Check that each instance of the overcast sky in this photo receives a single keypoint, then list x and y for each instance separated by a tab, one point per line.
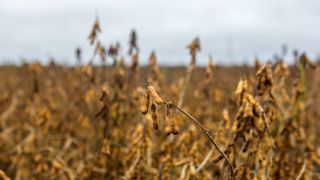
232	31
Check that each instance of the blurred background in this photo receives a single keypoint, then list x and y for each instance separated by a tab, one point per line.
232	31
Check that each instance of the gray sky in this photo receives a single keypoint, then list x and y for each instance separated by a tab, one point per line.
43	28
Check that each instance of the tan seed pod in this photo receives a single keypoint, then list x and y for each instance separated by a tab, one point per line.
269	73
259	125
251	99
154	115
261	70
170	123
167	130
225	115
105	149
226	118
175	130
94	31
145	104
239	87
155	119
281	70
154	95
3	176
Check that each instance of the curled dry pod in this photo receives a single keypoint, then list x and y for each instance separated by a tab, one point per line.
3	176
175	130
242	87
251	99
153	93
170	123
259	124
88	70
264	78
105	149
155	119
145	104
261	70
239	88
269	73
226	118
225	115
167	130
154	115
281	70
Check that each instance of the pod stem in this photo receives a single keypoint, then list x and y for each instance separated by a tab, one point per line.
208	134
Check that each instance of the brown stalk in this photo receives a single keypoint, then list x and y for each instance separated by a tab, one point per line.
265	120
205	160
302	170
208	134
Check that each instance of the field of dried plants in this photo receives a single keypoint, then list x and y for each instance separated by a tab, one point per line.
125	121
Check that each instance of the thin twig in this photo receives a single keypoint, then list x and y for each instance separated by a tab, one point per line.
265	119
206	131
204	162
183	172
183	92
128	174
271	152
304	166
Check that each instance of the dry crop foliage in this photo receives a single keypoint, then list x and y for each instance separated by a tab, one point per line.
58	122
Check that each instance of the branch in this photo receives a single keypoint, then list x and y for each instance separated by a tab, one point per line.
206	131
204	162
304	166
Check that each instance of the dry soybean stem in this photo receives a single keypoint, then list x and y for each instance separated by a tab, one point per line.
302	171
128	174
206	131
270	163
184	89
204	162
265	119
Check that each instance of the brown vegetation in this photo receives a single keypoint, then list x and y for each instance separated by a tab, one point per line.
128	122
